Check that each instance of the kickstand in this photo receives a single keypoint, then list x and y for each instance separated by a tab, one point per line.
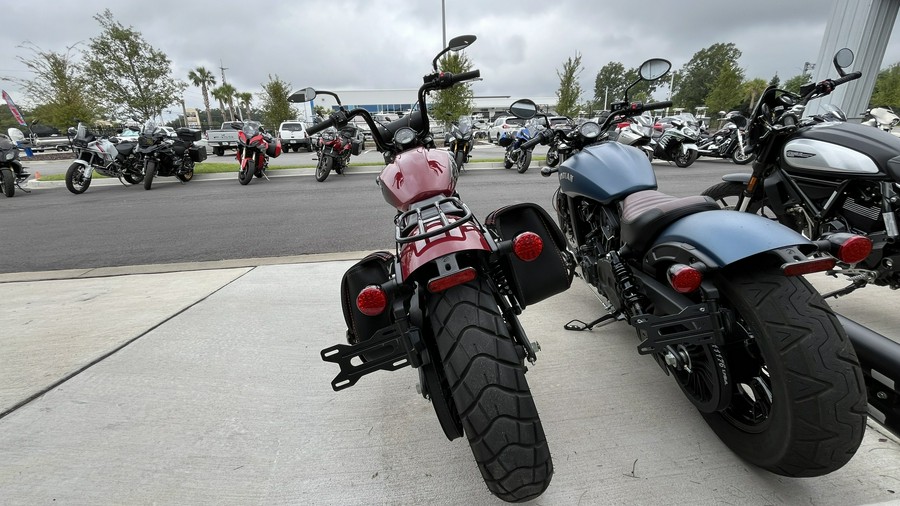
22	188
599	322
847	289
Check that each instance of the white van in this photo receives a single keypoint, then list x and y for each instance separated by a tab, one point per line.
293	135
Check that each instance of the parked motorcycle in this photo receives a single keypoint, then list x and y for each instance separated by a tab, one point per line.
446	301
335	146
12	174
461	142
882	118
255	146
162	155
677	143
718	300
106	156
515	155
728	142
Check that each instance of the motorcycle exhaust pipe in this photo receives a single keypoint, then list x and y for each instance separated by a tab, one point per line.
879	357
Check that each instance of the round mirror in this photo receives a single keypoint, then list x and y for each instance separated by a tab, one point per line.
460	42
524	109
304	95
654	68
843	58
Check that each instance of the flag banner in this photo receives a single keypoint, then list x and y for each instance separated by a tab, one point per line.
13	109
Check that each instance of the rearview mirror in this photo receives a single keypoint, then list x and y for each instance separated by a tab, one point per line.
304	95
843	59
523	109
654	68
460	42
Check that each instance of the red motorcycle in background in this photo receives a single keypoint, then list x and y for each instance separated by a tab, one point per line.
255	146
447	301
334	148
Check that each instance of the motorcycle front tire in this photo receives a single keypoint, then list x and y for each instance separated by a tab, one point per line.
740	159
728	193
684	160
75	180
523	162
486	378
245	175
323	168
807	414
149	173
460	159
8	180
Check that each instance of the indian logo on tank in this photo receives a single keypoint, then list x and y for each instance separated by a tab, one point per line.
798	154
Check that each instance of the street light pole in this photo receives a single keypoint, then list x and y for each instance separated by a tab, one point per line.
444	22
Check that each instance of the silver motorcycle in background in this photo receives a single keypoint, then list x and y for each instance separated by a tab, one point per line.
104	155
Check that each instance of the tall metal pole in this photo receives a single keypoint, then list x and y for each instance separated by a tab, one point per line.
444	22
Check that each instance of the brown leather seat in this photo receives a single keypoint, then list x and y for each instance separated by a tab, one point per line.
646	213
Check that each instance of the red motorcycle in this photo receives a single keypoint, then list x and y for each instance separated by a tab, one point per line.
335	147
255	146
446	301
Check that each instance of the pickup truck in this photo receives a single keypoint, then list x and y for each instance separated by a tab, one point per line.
222	139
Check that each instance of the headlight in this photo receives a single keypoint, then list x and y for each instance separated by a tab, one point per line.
404	136
589	129
10	155
690	132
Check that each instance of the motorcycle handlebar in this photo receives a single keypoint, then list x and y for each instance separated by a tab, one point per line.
847	78
657	105
530	143
318	127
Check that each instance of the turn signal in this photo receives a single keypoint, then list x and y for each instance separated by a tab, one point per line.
855	249
527	246
684	278
371	301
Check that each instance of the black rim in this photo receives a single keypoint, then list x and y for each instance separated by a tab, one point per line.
751	397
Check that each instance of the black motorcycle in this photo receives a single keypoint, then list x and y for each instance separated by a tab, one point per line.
12	174
461	141
728	142
718	300
166	156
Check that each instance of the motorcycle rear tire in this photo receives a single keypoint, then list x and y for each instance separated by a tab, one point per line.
507	162
75	180
813	413
523	162
323	168
149	173
133	178
486	379
185	176
8	180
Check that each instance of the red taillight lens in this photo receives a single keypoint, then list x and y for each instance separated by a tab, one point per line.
371	301
809	266
527	246
855	249
684	278
450	280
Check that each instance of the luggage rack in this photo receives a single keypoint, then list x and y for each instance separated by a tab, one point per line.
429	213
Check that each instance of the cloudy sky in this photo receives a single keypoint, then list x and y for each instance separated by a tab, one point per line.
389	44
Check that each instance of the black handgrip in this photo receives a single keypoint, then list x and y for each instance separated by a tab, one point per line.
532	142
657	105
847	78
318	127
465	76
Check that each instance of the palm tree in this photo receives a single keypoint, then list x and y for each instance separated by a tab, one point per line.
204	79
244	100
228	91
221	95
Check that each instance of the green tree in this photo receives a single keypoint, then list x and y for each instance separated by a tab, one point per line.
751	91
775	81
887	88
609	84
569	91
221	95
793	84
696	79
203	79
726	91
453	102
58	87
132	76
275	106
227	91
244	99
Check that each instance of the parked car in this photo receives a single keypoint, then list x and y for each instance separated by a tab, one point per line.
293	136
222	139
502	125
170	132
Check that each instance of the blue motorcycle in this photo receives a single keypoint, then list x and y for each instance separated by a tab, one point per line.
718	299
517	156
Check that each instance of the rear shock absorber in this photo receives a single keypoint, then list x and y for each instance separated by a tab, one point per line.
631	296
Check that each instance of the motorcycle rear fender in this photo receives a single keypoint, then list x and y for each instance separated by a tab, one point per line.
466	237
722	238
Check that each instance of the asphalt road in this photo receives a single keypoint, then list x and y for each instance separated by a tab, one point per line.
215	218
